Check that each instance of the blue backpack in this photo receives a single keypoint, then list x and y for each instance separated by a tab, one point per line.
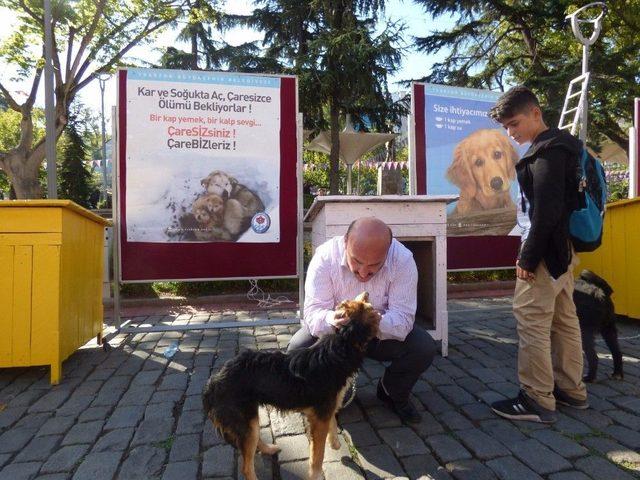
586	221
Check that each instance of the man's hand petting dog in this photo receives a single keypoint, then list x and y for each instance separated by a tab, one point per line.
341	317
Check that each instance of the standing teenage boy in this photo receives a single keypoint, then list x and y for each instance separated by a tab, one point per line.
548	330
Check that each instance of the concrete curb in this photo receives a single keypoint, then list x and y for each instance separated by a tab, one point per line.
460	290
497	285
498	288
235	298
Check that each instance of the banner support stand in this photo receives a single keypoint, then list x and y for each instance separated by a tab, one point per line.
411	123
299	168
634	150
633	164
115	178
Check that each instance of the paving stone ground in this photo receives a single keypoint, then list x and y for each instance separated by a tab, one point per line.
132	413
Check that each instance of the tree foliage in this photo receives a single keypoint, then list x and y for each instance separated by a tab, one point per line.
74	179
498	43
197	27
342	63
90	37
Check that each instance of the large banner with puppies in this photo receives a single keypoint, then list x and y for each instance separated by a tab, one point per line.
201	165
205	165
459	150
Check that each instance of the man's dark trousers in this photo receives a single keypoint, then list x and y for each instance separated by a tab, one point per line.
409	359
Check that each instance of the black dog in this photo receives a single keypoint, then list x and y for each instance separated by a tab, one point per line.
312	381
592	296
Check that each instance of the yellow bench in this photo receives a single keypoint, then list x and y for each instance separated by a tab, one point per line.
51	266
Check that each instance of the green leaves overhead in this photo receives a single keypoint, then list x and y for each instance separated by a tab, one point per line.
499	43
89	37
341	61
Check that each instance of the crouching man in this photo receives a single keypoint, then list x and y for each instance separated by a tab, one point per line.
369	258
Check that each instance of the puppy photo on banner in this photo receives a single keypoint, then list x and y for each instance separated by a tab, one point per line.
203	157
469	155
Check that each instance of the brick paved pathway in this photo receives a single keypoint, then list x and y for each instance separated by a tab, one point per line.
131	413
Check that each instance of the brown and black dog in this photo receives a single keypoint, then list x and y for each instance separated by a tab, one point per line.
483	167
311	381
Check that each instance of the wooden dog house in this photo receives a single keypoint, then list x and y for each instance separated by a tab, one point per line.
419	222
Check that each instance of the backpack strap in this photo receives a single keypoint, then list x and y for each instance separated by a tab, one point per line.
582	169
523	202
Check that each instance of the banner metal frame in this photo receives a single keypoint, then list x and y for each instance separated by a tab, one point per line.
127	326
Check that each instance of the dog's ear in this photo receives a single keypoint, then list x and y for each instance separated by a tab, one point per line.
232	180
363	297
459	172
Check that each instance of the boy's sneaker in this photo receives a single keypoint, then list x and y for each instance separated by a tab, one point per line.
563	399
523	408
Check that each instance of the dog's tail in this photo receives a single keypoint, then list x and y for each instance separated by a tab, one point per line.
226	413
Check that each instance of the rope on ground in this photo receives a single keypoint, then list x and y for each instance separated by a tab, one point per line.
263	298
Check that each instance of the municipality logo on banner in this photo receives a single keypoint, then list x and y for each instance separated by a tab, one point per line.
260	222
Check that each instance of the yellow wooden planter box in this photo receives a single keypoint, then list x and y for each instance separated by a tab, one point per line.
617	259
51	265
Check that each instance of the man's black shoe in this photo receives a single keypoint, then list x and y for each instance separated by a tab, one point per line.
407	412
523	408
563	399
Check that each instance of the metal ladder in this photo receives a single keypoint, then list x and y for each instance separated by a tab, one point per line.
574	104
580	110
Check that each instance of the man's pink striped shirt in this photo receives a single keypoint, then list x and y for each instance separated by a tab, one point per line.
392	290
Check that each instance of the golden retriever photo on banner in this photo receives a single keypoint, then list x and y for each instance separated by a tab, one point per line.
483	168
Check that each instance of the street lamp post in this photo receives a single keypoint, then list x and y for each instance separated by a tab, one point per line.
102	79
50	127
586	43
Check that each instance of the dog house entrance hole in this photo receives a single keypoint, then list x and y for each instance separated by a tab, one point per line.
424	256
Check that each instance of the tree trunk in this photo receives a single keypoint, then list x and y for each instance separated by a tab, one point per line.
194	51
390	148
22	171
334	156
335	11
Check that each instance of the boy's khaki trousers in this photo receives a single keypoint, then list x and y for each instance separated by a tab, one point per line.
550	346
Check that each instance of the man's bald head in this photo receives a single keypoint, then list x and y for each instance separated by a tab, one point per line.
369	228
367	242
